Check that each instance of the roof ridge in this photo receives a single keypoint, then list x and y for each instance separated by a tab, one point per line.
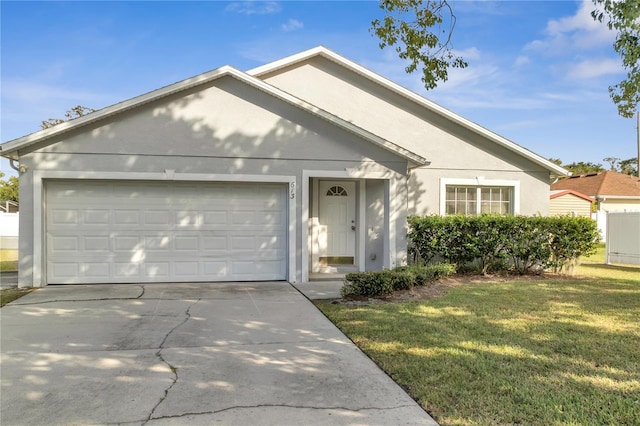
391	85
14	145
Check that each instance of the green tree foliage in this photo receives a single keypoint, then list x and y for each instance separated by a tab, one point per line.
623	16
75	112
8	188
628	166
556	161
581	167
420	32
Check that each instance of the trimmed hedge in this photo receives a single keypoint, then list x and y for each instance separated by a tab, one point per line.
502	243
379	283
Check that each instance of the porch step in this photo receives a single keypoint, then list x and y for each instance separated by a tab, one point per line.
326	277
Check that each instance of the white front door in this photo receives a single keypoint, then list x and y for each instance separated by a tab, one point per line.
337	222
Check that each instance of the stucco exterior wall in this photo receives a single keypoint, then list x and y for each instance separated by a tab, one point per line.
226	128
452	150
375	215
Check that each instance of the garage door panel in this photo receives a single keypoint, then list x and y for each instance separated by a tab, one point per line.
63	272
64	217
96	217
156	217
125	271
153	232
126	217
96	243
97	270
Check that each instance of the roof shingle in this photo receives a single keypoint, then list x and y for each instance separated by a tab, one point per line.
601	184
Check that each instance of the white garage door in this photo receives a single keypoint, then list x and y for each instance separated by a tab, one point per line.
121	232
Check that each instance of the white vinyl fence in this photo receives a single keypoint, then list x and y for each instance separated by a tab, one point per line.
623	237
9	230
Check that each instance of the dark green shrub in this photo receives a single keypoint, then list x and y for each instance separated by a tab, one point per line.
380	283
570	238
427	236
492	235
426	274
527	244
402	279
491	243
375	283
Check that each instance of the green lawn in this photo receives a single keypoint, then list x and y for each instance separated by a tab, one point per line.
530	352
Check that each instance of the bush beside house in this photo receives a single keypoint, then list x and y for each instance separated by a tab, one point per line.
486	243
380	283
491	243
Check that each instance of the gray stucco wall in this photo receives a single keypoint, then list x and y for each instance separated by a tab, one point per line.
375	215
453	151
224	128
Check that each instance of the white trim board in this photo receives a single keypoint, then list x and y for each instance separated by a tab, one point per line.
354	174
479	182
39	275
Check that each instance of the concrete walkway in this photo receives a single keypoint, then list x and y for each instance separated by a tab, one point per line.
159	354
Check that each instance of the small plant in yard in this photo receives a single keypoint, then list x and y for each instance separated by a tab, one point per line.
528	351
380	283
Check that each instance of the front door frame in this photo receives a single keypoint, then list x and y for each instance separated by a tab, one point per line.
360	176
318	199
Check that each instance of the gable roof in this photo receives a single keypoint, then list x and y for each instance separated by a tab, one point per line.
322	51
560	193
10	149
602	184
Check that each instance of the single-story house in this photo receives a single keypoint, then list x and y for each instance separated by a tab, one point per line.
570	203
612	191
303	166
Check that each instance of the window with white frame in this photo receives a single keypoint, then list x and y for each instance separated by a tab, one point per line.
474	197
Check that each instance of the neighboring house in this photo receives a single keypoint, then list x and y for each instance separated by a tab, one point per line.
612	191
306	165
570	203
9	206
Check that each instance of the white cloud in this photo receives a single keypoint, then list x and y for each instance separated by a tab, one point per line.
593	68
26	91
254	7
522	61
577	32
292	25
468	54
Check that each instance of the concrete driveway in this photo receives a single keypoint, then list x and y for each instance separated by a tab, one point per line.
159	354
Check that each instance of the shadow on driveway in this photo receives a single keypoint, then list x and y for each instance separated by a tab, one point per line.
233	353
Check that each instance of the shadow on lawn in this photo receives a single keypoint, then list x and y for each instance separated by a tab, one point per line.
553	352
623	268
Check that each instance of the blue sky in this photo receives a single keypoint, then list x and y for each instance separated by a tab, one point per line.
538	70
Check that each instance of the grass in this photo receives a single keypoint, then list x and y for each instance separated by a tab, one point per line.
8	295
560	350
8	260
599	256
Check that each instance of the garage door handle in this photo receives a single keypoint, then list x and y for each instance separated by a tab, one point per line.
353	227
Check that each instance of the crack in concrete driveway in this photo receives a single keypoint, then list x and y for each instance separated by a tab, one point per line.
229	353
173	369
